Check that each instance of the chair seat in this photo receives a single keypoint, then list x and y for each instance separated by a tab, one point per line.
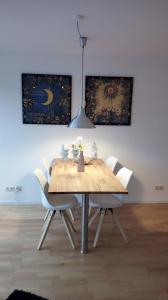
55	203
79	199
62	201
105	201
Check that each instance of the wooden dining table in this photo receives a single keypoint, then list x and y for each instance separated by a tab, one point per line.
97	178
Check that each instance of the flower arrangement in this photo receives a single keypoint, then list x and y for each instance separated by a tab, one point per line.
77	146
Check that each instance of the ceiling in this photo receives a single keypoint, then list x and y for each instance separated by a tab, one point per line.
114	27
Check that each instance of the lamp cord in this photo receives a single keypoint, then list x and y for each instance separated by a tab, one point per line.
78	28
82	74
83	46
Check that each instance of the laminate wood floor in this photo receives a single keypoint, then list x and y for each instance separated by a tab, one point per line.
112	271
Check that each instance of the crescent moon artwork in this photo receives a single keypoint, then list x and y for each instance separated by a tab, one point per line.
50	97
46	99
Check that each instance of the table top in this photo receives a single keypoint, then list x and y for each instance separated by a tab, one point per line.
96	179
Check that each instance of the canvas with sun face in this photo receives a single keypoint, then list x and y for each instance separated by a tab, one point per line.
46	99
109	100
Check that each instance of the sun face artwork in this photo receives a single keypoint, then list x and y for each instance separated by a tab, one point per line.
46	99
109	99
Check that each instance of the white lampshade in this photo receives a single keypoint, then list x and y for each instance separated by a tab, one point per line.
81	120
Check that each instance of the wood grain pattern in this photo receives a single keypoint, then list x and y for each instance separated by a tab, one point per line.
114	270
97	178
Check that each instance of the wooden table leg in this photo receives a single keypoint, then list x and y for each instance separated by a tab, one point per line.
84	225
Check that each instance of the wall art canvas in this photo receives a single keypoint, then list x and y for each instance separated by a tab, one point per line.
46	99
109	100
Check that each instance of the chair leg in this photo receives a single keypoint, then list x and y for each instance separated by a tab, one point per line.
68	230
112	219
45	220
46	215
94	217
72	214
120	227
44	233
102	213
70	222
90	209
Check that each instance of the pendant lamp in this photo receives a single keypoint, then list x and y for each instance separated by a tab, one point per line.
81	120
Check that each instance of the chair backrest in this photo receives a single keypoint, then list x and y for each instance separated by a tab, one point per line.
47	168
43	186
111	162
124	176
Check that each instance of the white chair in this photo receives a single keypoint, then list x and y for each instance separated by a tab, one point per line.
55	203
111	162
106	203
48	169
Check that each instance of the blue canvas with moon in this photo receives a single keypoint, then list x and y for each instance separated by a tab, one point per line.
46	99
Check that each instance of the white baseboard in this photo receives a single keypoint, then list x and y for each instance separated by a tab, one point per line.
134	201
148	201
16	202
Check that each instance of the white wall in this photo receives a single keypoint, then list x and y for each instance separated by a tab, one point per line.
141	146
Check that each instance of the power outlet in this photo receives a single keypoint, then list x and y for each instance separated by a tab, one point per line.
14	189
159	187
10	188
18	188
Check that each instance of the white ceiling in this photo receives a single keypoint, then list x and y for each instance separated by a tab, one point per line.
116	27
